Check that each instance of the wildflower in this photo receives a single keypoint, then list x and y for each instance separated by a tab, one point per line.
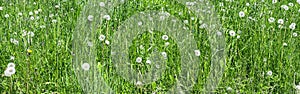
31	34
6	15
31	18
140	23
164	54
297	87
12	58
40	10
30	13
269	73
229	89
29	51
238	37
274	1
54	21
14	41
292	26
242	14
197	52
265	59
138	83
107	42
51	15
90	44
11	65
148	62
107	17
291	4
36	12
295	34
20	13
56	6
167	44
186	21
298	1
284	44
101	4
9	71
231	33
90	17
1	8
285	7
138	60
280	21
271	19
85	66
165	37
101	37
247	4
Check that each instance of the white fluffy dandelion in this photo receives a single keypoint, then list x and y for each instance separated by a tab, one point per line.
165	37
85	66
138	59
280	21
231	33
138	83
107	17
101	4
269	73
31	34
12	58
285	7
107	42
1	8
164	54
271	19
167	44
11	65
297	87
14	41
292	26
295	34
242	14
140	23
6	15
9	71
148	61
101	37
274	1
229	89
197	52
285	44
90	17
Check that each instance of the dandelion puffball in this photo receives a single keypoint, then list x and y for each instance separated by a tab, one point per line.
85	66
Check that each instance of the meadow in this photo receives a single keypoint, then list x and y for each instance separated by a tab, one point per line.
43	49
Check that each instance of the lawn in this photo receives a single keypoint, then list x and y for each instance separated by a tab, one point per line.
149	46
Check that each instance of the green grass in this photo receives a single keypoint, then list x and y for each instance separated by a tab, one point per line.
49	67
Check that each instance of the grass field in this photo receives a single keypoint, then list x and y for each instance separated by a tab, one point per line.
40	48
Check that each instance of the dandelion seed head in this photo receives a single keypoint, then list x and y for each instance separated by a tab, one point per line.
197	52
107	42
101	4
90	17
138	59
85	66
165	37
280	21
271	19
295	34
107	17
269	73
242	14
148	61
101	37
6	15
11	65
231	33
